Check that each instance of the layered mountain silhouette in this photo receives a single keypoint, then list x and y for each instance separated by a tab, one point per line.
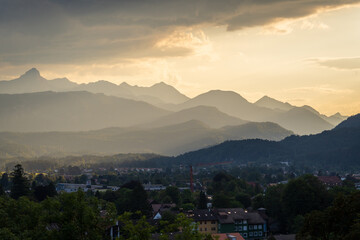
297	119
71	111
29	110
272	103
337	149
168	140
211	116
32	81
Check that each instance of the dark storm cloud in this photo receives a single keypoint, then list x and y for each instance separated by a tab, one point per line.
61	31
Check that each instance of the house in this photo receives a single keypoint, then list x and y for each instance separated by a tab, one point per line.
153	187
158	209
73	187
251	225
227	236
330	181
206	219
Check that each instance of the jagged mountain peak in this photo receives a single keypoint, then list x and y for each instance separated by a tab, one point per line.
32	73
273	103
124	84
160	84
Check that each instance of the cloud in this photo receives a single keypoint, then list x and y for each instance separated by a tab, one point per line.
320	90
92	31
351	63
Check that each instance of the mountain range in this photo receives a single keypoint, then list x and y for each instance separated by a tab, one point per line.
334	150
167	140
32	81
71	111
300	120
136	119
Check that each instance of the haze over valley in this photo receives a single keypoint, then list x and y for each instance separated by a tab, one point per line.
59	117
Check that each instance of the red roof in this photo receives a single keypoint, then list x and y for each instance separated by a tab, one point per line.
226	236
330	180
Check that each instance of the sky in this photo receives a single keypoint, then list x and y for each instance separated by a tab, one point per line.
306	52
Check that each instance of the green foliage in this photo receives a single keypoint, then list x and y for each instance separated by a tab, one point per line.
304	194
187	228
222	200
2	192
258	201
244	199
339	221
228	191
202	201
174	194
41	192
5	181
134	230
130	197
20	184
67	216
188	206
186	196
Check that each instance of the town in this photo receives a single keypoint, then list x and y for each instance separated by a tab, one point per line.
218	200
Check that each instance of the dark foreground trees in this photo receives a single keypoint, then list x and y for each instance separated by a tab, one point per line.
20	184
67	216
339	221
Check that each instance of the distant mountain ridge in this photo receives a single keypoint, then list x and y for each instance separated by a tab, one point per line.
298	119
32	81
168	140
71	111
337	149
211	116
224	107
272	103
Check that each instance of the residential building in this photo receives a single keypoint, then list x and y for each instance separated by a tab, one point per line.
153	187
330	181
72	187
251	225
158	209
206	220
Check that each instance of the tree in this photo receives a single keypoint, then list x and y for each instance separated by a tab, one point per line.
41	192
2	192
5	181
339	221
304	194
174	194
187	228
222	200
202	201
244	198
20	184
131	230
138	199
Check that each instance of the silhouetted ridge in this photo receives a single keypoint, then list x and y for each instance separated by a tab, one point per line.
351	122
338	149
